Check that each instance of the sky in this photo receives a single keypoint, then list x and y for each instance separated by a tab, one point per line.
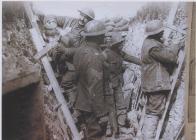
102	9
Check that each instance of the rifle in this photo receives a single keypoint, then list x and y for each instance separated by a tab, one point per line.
39	44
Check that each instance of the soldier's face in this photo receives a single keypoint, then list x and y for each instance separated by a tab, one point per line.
83	19
108	39
121	46
161	36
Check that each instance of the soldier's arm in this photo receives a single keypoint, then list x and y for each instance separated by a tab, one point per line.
131	59
62	21
165	54
68	51
61	50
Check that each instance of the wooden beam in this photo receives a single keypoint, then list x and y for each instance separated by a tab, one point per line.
20	81
179	134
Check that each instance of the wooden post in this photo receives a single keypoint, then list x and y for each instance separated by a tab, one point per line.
180	132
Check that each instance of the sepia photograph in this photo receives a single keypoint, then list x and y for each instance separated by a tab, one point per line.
98	70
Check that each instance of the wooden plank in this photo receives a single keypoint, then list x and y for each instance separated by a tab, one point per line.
39	44
180	132
192	69
20	82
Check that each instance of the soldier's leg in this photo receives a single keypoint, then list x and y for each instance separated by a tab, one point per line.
154	109
68	84
120	105
93	128
112	126
121	111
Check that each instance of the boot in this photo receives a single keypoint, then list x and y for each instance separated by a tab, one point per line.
109	130
150	127
122	117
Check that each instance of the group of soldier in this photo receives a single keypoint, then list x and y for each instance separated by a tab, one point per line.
90	62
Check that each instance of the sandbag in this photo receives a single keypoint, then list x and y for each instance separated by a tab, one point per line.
116	19
111	23
123	22
109	28
124	28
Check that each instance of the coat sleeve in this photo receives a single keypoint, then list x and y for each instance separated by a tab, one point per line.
131	59
62	52
96	82
62	21
69	52
166	55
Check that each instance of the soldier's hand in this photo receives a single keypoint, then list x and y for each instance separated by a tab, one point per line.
54	53
59	50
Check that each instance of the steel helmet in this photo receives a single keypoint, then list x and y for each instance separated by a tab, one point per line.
88	12
154	27
50	22
116	38
94	28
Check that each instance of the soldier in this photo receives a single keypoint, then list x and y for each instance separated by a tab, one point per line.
114	57
76	25
156	58
88	62
72	39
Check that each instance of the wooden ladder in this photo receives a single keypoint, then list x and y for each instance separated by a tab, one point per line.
39	44
174	77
